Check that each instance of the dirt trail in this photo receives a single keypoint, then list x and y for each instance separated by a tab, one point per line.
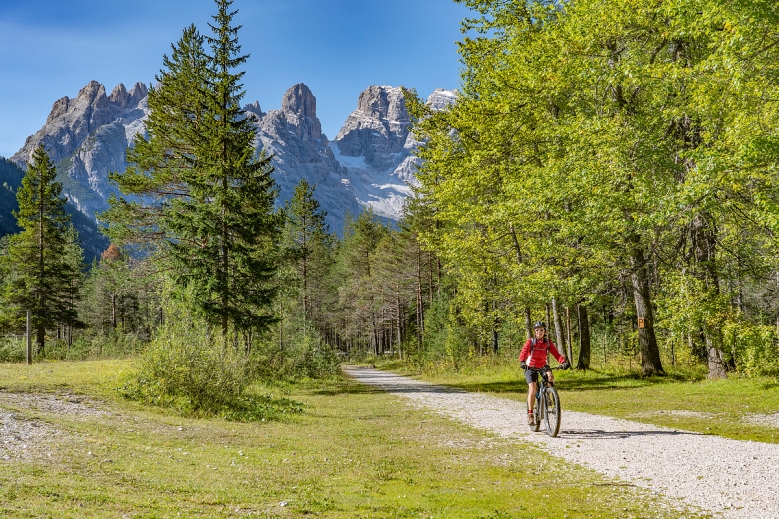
737	479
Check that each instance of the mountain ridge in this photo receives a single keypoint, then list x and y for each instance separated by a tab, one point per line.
370	162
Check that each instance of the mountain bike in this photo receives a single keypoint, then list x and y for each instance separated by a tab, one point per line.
547	406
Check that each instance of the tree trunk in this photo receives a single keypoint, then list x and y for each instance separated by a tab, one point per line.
281	327
558	326
548	320
399	310
570	333
650	354
584	339
717	367
704	242
430	279
420	309
528	323
40	338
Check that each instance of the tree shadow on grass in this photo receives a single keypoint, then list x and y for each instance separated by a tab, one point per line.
346	386
599	381
568	384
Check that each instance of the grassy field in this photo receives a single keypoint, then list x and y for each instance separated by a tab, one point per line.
682	400
353	452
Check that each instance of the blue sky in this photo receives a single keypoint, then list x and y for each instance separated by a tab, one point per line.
52	48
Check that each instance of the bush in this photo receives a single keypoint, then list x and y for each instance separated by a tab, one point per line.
303	354
184	363
13	350
115	345
192	370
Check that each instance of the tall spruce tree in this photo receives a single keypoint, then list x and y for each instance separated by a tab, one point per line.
208	200
161	164
41	271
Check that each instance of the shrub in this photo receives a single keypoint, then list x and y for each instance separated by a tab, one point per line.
13	350
194	371
303	354
115	345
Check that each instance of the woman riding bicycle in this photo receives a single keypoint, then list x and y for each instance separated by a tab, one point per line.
533	358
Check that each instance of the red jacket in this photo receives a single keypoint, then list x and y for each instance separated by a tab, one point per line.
540	352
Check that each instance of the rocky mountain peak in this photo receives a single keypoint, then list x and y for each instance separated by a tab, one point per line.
370	164
378	128
137	93
383	102
122	99
376	147
69	123
87	137
293	135
299	100
91	92
254	108
119	96
298	114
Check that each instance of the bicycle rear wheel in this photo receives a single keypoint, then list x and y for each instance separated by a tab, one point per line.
551	411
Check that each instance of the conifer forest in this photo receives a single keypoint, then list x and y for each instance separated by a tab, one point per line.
610	167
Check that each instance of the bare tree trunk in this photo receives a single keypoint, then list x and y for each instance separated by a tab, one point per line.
40	337
717	367
570	333
528	323
281	327
650	354
584	338
558	326
430	279
113	311
548	320
420	309
703	236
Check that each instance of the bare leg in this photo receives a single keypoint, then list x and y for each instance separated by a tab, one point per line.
531	395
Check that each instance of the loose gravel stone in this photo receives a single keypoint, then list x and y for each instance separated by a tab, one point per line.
24	438
732	478
62	404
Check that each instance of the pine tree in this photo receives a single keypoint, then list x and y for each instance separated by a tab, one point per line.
42	272
160	164
212	215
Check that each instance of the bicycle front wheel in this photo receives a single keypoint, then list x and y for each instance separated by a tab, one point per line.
551	411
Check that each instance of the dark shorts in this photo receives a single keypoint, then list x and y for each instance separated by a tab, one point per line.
531	375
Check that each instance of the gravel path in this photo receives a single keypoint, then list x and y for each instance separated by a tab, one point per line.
737	479
25	438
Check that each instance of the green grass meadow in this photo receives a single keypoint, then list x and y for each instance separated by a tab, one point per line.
352	452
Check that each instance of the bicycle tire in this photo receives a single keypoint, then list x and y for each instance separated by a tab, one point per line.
536	417
551	411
